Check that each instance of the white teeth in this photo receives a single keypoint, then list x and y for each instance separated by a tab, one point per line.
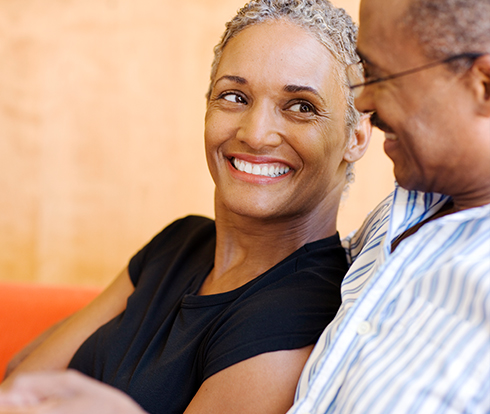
390	136
259	169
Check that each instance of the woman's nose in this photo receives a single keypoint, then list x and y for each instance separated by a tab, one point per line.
260	126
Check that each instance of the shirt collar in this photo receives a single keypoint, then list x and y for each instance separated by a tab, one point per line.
410	208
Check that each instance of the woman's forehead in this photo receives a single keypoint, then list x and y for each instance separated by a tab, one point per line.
277	50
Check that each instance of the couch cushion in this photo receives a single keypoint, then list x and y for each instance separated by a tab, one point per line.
26	310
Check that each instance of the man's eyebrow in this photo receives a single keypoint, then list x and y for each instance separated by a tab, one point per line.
236	79
302	88
364	59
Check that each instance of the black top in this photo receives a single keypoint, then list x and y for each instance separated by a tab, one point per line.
169	339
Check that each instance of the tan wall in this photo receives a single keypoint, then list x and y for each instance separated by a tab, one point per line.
101	125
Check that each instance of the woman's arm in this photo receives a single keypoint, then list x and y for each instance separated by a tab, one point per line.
31	346
262	384
56	351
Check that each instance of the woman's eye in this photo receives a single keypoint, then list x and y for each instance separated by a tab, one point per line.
234	97
302	107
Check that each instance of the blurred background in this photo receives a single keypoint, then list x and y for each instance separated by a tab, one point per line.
101	132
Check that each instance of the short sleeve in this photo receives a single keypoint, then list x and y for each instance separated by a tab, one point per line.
167	244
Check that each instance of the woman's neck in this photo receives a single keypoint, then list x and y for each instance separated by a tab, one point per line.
247	247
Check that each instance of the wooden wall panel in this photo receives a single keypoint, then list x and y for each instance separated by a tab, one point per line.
101	126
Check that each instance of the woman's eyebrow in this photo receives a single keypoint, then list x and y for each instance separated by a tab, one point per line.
302	88
235	79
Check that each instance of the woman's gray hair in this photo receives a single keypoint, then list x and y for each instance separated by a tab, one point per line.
332	26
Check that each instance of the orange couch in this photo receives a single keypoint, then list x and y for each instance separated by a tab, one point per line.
26	310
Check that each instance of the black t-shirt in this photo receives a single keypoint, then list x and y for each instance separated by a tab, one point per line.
169	339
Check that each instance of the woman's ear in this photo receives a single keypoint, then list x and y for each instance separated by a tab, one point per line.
481	81
359	140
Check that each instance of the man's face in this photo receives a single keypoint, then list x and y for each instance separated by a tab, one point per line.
427	116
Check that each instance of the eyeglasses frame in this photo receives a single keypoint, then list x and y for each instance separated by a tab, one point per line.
467	55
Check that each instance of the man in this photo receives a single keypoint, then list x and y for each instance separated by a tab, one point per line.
413	332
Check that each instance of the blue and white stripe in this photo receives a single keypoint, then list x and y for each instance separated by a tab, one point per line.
413	332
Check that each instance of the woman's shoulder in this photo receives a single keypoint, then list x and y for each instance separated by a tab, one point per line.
188	225
305	284
321	263
182	230
189	236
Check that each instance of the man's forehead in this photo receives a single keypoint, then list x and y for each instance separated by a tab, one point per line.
382	14
379	26
379	6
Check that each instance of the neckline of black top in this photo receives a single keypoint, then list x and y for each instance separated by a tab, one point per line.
193	299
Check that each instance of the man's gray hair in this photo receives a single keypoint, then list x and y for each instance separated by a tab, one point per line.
332	26
449	27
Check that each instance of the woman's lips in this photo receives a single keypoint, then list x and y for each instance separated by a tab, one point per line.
265	169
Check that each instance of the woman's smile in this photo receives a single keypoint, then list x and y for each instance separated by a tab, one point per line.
263	169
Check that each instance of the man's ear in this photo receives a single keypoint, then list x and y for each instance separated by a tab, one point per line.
480	72
359	140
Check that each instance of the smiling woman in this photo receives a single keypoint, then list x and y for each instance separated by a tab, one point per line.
293	121
233	307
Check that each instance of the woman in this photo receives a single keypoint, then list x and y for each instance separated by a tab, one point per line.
221	316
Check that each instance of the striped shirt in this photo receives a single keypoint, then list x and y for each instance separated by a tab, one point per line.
413	332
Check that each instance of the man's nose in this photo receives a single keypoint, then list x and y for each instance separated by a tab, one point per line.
260	126
364	102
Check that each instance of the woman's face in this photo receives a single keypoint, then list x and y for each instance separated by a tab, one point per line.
275	125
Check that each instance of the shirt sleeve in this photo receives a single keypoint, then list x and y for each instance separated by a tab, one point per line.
167	243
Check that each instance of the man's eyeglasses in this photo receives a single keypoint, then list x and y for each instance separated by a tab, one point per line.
353	71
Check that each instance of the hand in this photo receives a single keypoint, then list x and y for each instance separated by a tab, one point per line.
64	392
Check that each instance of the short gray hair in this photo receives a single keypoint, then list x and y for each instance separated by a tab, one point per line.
332	26
447	27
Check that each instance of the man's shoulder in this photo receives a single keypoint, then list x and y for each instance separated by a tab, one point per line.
373	229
